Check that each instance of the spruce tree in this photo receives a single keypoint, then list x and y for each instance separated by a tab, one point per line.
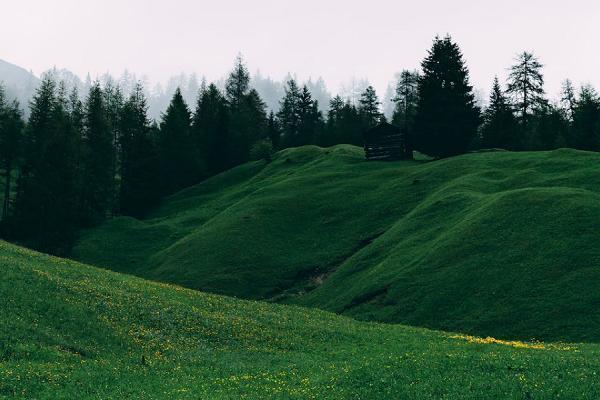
447	117
289	113
247	114
11	129
368	108
332	133
140	162
47	194
114	101
211	131
180	162
98	158
586	120
238	83
344	123
499	124
310	119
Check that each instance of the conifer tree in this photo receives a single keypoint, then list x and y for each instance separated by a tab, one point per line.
526	86
289	113
499	124
586	120
46	203
447	117
211	132
568	99
368	108
98	158
310	119
344	123
406	99
247	114
238	83
332	133
140	161
180	163
114	100
11	129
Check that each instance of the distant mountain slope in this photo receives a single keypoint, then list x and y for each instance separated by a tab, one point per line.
70	331
502	244
19	83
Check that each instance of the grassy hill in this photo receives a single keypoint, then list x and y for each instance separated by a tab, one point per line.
68	330
500	243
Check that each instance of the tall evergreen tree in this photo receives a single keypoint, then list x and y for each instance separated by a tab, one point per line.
526	86
46	203
586	120
114	101
368	108
310	119
140	161
98	158
499	124
237	85
406	100
551	128
289	113
211	131
447	117
11	129
332	134
344	123
180	164
247	117
568	99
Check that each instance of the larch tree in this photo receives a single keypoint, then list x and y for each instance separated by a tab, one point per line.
526	86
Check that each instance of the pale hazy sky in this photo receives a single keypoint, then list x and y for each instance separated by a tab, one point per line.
335	39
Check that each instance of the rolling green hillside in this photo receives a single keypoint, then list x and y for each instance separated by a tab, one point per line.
70	331
500	243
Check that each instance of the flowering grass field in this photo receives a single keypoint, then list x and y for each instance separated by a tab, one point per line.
71	331
494	244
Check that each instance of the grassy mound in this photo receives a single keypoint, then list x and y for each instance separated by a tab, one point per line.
493	243
68	330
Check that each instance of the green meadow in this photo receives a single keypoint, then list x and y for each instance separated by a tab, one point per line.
495	244
72	331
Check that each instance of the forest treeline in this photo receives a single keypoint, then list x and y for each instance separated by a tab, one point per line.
81	158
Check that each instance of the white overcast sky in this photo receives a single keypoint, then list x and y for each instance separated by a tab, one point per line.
335	39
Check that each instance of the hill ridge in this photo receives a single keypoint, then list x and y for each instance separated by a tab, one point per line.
463	229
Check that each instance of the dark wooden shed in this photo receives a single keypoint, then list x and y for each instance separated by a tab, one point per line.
386	142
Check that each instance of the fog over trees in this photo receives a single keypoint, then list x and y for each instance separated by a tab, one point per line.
83	150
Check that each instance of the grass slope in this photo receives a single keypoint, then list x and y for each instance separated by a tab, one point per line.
498	243
68	330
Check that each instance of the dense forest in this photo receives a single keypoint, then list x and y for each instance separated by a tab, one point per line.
83	157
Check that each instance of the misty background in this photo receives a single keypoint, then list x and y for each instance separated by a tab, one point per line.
335	47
